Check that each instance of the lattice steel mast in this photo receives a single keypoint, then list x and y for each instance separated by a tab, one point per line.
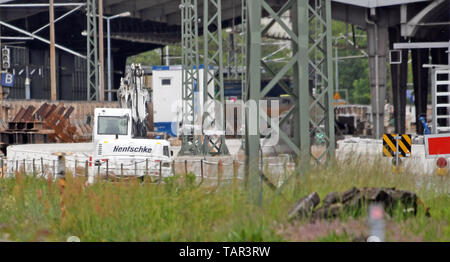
213	118
190	127
92	51
306	46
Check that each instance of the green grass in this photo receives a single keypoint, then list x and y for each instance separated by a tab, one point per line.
178	210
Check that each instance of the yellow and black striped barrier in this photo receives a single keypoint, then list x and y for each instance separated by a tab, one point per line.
390	145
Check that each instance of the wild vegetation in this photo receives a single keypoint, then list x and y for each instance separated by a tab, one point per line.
33	209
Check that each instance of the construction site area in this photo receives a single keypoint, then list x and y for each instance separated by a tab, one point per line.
270	96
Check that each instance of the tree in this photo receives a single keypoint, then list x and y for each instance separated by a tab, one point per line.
153	57
147	58
361	91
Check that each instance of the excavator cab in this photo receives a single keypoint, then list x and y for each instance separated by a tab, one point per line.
112	123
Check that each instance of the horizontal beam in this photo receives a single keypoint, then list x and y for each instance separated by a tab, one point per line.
436	66
40	5
157	40
16	38
419	45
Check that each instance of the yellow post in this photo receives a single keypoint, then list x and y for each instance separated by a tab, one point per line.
442	171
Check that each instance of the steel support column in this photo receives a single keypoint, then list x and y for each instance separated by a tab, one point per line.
53	93
92	51
213	124
399	79
190	126
377	41
101	92
252	134
244	60
420	79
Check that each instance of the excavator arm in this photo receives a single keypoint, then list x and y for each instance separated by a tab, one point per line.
133	95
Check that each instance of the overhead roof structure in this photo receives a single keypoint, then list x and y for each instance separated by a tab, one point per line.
434	15
158	21
378	3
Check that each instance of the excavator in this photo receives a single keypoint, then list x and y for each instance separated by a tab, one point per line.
119	139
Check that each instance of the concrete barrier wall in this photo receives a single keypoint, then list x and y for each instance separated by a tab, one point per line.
363	151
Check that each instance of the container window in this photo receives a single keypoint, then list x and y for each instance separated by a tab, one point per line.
165	81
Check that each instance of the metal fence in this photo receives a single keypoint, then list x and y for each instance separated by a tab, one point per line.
204	170
58	166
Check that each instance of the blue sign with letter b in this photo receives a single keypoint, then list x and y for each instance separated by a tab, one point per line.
7	80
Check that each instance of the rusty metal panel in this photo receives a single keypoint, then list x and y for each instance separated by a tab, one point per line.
28	115
39	113
69	112
19	115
